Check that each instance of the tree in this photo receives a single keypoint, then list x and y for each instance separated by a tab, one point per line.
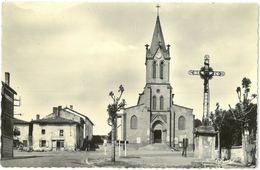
217	122
229	130
245	114
197	123
16	131
112	110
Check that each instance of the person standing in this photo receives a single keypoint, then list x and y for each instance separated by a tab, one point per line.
184	146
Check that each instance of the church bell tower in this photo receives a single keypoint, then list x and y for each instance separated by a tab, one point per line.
157	63
157	57
158	90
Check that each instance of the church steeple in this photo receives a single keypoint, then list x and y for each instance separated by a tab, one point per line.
157	39
157	56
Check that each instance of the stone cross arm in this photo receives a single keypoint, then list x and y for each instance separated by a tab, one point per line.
215	73
219	73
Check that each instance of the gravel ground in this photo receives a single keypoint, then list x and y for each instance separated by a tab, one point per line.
134	158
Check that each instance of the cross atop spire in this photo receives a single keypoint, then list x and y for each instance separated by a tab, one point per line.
158	6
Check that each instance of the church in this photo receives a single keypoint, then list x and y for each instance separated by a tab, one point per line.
156	118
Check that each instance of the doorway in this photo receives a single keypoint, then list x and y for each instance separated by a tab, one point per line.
58	144
157	136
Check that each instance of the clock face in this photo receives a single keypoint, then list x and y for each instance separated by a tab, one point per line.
158	55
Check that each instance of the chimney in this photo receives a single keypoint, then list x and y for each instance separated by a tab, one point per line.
7	78
55	110
71	107
37	117
59	109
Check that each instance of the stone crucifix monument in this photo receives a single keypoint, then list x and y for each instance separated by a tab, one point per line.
205	135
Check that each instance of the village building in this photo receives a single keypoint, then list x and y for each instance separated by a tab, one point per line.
7	115
63	129
22	133
155	118
71	114
56	133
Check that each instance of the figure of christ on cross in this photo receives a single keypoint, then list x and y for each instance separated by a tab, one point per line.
206	73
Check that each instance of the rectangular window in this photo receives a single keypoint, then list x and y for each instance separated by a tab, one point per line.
42	143
61	132
43	131
25	143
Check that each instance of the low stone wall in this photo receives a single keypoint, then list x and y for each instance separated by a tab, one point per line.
236	153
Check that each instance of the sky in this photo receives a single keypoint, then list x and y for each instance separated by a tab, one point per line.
76	53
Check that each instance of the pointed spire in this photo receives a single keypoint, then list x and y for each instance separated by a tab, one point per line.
157	39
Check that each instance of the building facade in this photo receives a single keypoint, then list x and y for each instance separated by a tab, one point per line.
22	134
63	129
155	118
71	114
56	133
7	115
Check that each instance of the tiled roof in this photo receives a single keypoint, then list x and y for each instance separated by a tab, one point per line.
79	114
19	121
55	120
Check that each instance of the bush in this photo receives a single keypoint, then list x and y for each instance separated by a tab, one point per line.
89	145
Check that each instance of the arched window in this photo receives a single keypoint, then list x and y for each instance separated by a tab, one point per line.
181	123
154	102
161	103
133	122
154	69
161	70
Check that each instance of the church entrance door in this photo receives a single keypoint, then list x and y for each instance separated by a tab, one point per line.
157	136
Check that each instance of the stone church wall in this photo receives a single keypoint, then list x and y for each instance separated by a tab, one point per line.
188	131
141	134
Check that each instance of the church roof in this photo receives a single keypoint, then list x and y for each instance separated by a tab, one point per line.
176	105
157	39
